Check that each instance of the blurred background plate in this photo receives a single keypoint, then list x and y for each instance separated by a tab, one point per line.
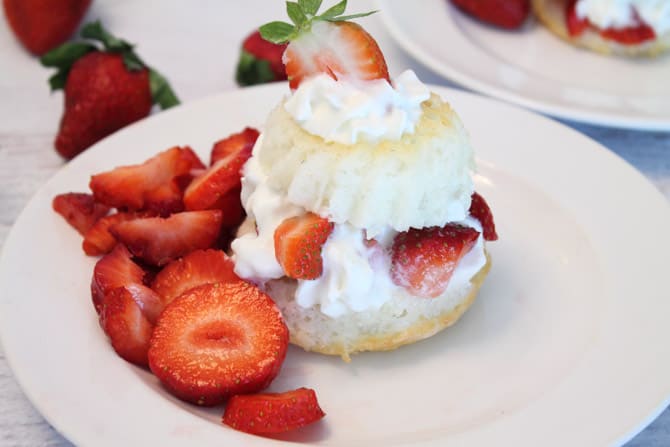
532	67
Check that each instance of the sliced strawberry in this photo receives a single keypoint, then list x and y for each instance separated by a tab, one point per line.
424	260
159	240
574	24
218	340
273	412
480	210
298	242
338	49
114	270
196	268
237	142
126	326
503	13
79	209
206	191
98	240
153	185
231	205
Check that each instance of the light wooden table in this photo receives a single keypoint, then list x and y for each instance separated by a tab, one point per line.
196	46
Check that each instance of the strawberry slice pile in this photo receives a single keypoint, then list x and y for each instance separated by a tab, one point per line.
165	292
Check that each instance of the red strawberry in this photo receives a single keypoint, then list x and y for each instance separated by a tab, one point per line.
127	327
104	90
630	35
98	240
575	25
79	209
480	210
424	260
218	340
260	61
152	185
273	412
298	241
41	25
113	270
231	206
159	240
508	14
325	43
206	191
196	268
235	143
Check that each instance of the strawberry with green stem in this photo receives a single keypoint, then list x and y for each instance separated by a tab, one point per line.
107	86
325	43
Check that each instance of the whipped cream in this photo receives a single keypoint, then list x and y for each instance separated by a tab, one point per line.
356	275
354	110
622	13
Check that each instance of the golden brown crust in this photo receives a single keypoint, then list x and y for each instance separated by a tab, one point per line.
552	14
422	329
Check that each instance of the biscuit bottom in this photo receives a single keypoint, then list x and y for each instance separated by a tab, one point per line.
552	14
402	320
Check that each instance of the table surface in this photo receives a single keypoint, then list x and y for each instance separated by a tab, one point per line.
196	46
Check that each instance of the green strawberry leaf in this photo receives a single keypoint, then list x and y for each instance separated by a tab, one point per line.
310	7
96	31
132	61
334	11
252	71
161	92
64	56
295	13
57	81
277	32
349	17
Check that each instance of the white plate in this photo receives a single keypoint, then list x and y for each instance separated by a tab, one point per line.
566	345
532	67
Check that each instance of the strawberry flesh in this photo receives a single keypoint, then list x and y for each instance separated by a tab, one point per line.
480	210
114	270
218	340
271	413
423	261
298	242
507	14
153	185
235	143
98	240
339	49
79	209
196	268
127	327
159	240
630	35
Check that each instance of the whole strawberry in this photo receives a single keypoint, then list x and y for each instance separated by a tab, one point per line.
508	14
41	25
260	61
106	88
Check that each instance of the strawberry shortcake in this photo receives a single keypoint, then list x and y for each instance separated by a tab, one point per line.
362	220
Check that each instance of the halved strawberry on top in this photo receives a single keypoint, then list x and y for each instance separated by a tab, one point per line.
326	43
423	261
155	185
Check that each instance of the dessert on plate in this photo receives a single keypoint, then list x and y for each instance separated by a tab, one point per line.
619	27
362	221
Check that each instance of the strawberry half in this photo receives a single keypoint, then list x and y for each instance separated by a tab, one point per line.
273	412
98	240
196	268
235	143
127	327
153	185
159	240
207	190
480	210
114	270
423	260
79	209
298	242
508	14
218	340
325	43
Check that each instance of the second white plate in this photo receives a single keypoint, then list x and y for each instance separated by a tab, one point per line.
532	67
